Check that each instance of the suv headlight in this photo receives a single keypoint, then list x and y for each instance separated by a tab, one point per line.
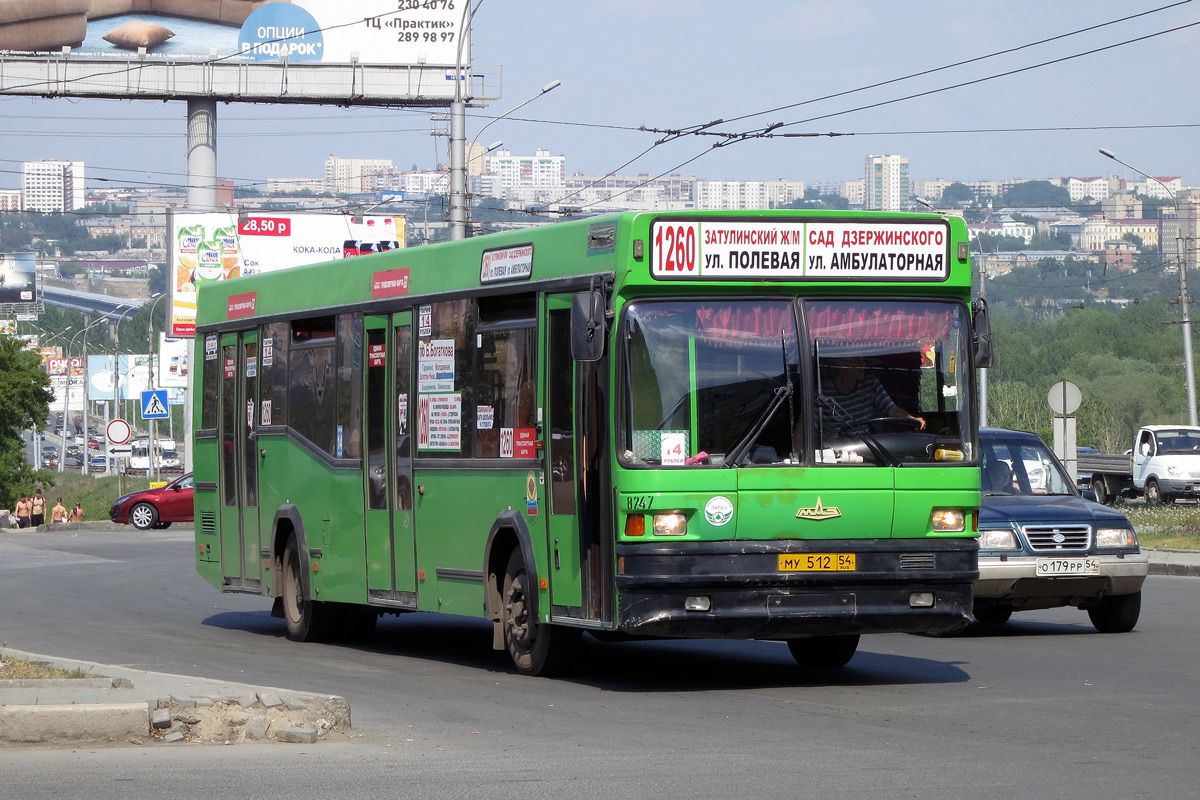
1115	537
998	540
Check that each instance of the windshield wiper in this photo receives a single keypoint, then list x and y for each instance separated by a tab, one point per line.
781	393
850	426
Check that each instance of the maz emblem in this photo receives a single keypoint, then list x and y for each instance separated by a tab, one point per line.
819	512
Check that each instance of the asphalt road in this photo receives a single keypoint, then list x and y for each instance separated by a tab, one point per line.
1043	707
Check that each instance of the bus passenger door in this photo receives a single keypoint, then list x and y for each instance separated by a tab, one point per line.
579	559
387	467
240	555
248	452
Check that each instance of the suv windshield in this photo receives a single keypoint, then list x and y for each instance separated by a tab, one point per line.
719	382
1020	465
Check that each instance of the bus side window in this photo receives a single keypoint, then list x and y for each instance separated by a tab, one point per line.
506	387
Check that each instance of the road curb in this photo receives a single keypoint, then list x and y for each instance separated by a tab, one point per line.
119	705
93	723
1185	563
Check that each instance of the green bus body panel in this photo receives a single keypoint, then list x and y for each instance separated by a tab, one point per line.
837	502
454	515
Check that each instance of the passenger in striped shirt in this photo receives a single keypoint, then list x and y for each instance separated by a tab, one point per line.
860	396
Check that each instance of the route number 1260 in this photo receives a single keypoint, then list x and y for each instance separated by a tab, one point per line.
675	249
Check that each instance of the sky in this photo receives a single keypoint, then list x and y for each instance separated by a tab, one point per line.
671	64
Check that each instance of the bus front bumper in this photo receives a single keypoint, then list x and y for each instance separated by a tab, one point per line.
737	590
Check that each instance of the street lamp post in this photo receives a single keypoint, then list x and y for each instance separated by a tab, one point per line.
552	85
62	456
153	468
1189	369
116	379
458	130
432	186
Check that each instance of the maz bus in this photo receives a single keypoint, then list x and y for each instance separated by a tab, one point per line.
650	424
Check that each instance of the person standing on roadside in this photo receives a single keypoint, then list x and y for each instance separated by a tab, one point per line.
23	510
38	509
76	514
58	514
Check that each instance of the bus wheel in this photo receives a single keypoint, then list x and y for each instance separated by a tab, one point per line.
823	652
535	649
305	618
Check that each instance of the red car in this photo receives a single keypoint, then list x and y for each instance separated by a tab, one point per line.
156	508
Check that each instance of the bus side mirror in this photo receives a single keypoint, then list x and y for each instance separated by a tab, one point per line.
982	324
587	326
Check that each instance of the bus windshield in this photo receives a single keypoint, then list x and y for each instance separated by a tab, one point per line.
719	382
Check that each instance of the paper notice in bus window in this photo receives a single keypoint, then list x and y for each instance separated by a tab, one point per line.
435	365
525	443
439	422
484	417
674	448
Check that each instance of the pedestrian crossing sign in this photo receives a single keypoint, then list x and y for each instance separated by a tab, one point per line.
154	404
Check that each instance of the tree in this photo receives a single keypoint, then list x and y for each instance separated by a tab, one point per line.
819	200
24	404
958	194
1036	193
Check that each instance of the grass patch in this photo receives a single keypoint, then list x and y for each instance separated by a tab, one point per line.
17	669
1175	526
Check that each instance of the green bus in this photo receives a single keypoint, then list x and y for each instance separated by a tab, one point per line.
746	425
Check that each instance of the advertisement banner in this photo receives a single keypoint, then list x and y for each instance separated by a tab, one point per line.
384	32
172	364
18	278
132	376
219	246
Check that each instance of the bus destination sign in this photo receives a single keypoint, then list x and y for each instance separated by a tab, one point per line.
789	250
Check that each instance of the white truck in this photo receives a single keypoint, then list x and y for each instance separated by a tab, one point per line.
1163	465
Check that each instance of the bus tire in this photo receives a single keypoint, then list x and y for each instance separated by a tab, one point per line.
306	619
535	649
823	652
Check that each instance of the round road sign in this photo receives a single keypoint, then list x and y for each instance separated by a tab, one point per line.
118	431
1064	397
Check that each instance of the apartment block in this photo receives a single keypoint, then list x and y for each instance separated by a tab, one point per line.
358	175
51	186
887	184
538	171
740	195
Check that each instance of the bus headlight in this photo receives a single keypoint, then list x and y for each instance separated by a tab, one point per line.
1115	537
672	523
948	520
997	540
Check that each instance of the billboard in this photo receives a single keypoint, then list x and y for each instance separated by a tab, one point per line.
172	364
18	278
64	373
133	376
220	246
377	32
